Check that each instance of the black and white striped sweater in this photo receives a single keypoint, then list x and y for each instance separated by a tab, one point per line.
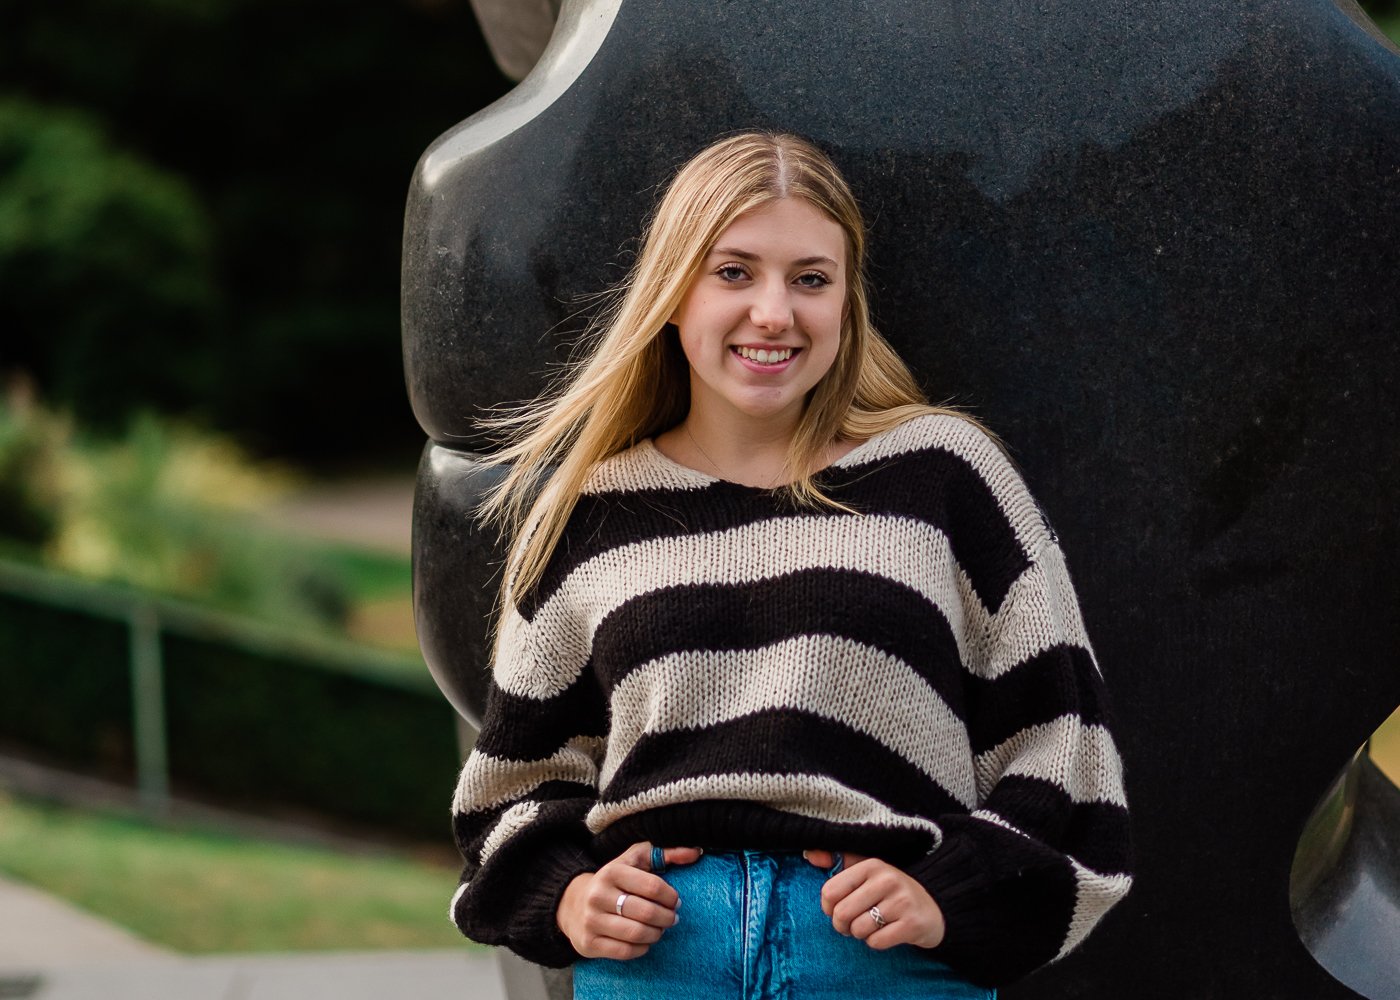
704	665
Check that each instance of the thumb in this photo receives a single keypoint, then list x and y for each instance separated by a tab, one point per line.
683	855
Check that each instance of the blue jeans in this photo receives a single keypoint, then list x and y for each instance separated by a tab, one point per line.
752	928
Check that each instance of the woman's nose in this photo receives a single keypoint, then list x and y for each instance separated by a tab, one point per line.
772	309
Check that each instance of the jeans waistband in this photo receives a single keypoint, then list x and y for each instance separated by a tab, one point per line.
658	861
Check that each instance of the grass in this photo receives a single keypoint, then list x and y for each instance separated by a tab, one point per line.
380	587
368	575
387	623
202	892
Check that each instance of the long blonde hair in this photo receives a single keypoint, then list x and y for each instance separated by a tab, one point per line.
633	381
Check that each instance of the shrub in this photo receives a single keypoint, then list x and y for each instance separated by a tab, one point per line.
105	261
166	507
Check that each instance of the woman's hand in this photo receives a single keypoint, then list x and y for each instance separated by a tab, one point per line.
911	915
588	909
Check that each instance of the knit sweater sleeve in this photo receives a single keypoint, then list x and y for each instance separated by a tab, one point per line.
524	791
1024	877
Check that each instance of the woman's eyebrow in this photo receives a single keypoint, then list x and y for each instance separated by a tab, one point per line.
746	255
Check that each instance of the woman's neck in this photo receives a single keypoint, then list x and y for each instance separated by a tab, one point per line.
752	457
742	451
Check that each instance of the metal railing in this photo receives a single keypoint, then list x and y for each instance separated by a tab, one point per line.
147	617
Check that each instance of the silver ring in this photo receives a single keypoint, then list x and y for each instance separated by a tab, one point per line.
875	916
620	900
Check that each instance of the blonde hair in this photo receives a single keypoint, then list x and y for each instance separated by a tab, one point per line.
633	381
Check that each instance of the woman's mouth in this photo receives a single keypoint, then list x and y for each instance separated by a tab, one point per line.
765	360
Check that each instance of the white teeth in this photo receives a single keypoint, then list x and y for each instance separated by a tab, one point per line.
766	357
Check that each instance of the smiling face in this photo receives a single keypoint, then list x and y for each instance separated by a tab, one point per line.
761	322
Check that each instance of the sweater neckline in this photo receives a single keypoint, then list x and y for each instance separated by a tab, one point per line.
684	472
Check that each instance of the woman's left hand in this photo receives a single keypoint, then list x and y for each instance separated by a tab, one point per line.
911	915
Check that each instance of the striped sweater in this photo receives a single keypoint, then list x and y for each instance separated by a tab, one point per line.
703	664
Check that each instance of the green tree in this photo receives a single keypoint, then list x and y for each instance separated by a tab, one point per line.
105	262
294	126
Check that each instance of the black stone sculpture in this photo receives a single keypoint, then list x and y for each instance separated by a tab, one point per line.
1154	246
1346	880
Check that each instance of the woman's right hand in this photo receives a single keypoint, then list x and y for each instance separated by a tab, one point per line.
588	909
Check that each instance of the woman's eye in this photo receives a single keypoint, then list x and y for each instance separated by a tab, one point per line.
820	279
732	272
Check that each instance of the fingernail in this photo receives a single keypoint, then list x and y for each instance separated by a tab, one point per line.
678	903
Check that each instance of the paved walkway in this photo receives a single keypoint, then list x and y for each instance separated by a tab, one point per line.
377	513
50	950
37	929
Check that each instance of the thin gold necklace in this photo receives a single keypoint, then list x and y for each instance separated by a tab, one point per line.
715	464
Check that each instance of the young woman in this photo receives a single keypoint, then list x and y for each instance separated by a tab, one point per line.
778	641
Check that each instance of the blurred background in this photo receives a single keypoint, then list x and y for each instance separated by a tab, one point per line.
214	720
213	716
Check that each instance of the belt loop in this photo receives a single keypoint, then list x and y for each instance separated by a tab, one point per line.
658	859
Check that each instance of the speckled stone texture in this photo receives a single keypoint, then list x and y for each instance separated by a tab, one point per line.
1152	245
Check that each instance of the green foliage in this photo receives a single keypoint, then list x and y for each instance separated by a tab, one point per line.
105	262
167	508
159	510
370	575
30	471
261	290
202	892
1381	10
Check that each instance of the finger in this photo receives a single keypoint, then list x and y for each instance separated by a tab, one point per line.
883	938
864	927
845	881
605	947
625	929
637	855
838	887
818	855
642	884
643	911
852	915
